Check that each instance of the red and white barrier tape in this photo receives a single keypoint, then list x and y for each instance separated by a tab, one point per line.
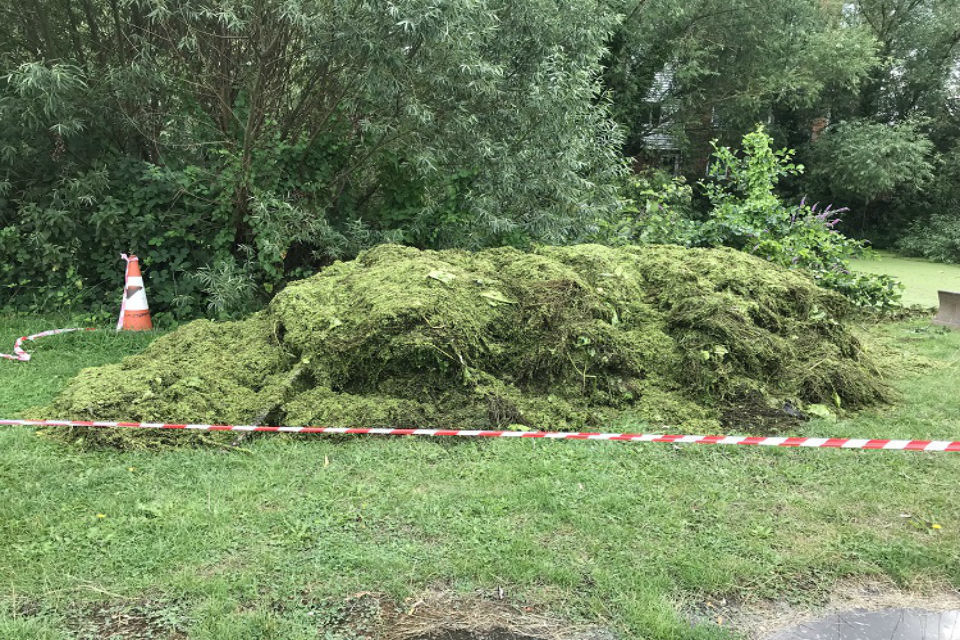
23	356
816	443
123	299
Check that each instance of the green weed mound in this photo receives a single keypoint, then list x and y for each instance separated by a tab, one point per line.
559	338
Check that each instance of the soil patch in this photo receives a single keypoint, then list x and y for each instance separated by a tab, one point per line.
440	615
136	620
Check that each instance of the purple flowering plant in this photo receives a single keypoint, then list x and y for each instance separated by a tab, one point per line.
748	214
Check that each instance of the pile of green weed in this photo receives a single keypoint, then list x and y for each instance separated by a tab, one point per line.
558	338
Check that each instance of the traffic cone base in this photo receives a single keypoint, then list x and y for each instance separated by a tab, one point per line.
134	311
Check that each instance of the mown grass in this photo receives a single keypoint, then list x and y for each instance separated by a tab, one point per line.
921	279
260	543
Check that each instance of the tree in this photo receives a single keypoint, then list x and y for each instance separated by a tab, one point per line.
713	68
276	135
861	161
919	46
879	155
883	73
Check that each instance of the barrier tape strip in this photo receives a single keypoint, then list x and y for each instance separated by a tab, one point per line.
123	298
761	441
22	356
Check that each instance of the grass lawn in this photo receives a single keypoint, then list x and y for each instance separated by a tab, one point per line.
270	542
921	279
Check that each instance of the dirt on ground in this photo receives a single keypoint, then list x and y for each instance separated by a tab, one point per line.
439	614
442	615
116	619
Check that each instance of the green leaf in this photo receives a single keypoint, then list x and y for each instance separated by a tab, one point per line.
443	276
495	298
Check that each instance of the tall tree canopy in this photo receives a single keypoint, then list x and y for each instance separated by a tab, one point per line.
889	151
867	91
714	68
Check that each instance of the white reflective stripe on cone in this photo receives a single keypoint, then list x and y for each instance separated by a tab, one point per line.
137	302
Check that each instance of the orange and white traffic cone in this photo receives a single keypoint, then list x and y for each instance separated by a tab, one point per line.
134	312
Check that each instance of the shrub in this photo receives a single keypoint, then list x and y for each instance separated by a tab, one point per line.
937	238
657	209
748	214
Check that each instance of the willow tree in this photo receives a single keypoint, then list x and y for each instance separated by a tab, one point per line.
286	132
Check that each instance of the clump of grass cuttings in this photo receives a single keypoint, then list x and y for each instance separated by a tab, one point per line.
558	338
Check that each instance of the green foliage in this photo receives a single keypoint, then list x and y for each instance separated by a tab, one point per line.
902	117
861	161
748	214
237	145
915	75
883	71
936	238
701	69
657	209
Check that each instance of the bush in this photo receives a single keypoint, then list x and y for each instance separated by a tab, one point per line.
657	209
937	239
936	236
748	214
